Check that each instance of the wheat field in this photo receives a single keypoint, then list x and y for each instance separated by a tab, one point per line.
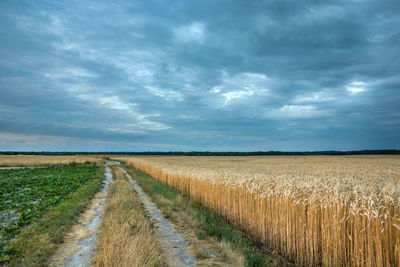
315	210
38	160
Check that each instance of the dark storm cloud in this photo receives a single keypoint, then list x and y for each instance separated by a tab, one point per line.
199	75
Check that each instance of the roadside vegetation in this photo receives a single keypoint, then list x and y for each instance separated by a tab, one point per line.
126	237
232	246
38	206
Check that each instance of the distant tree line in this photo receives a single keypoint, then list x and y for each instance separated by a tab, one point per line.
208	153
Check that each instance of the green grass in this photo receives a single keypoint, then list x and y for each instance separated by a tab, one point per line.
153	186
217	227
211	225
66	191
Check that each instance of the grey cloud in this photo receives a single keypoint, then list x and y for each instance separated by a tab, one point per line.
204	75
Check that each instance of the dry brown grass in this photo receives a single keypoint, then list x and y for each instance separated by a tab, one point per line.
37	160
126	237
330	211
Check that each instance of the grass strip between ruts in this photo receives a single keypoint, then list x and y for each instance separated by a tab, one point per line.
126	236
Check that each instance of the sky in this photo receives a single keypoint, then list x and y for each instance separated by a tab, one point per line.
210	75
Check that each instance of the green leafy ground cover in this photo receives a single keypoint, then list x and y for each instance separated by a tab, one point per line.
25	194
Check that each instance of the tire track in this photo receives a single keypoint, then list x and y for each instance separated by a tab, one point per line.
175	248
80	243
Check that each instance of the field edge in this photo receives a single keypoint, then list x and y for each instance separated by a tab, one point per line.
37	242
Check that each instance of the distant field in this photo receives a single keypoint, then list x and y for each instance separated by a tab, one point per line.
37	160
314	210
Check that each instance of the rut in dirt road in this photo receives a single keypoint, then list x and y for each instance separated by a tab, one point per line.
174	245
79	246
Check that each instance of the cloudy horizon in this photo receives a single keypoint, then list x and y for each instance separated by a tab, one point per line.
199	75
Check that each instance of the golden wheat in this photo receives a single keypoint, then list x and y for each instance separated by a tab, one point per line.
323	210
